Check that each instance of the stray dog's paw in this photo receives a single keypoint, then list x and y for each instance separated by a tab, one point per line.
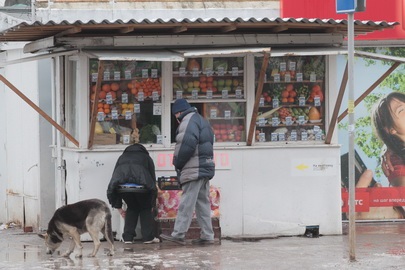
110	253
79	255
66	254
91	255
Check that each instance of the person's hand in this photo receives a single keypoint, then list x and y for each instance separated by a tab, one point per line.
365	180
122	212
386	164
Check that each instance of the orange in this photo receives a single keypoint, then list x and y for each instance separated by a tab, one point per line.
107	111
100	105
106	106
284	100
115	86
106	87
291	99
284	94
102	94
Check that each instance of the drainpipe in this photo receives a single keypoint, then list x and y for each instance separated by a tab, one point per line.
33	11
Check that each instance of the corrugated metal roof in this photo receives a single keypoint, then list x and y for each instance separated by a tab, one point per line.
38	30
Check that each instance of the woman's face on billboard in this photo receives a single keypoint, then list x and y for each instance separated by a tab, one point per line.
398	116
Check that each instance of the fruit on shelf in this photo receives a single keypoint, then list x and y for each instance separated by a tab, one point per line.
314	114
193	64
316	91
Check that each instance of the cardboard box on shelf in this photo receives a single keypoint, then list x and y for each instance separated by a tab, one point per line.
105	138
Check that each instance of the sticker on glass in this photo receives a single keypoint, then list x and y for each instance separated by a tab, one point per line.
126	139
128	115
262	121
292	66
117	75
262	137
220	71
225	93
317	101
155	96
275	103
157	108
288	121
274	137
124	98
108	98
159	139
141	96
145	73
182	71
137	108
301	101
275	121
106	75
283	66
227	114
281	136
293	136
213	113
235	71
301	119
179	94
194	94
276	77
304	136
195	72
114	114
299	77
209	94
154	73
287	77
100	116
238	93
128	74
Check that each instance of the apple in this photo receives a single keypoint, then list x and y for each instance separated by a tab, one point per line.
228	82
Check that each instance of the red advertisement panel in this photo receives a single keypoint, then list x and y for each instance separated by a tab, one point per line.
376	10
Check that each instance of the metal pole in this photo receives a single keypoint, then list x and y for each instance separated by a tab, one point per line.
352	217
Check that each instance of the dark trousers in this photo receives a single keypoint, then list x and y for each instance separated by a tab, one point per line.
138	205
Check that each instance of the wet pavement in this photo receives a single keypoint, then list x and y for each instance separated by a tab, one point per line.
378	246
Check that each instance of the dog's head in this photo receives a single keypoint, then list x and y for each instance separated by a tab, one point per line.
52	242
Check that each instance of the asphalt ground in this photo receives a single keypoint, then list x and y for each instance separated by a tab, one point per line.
378	245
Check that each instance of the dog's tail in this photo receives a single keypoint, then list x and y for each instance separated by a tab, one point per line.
108	233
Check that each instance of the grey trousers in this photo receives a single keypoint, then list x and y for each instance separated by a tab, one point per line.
195	196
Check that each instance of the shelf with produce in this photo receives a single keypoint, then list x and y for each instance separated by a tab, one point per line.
294	82
226	118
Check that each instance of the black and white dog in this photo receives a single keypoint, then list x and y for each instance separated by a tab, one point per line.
72	220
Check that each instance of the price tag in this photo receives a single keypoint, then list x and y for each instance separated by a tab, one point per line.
209	72
117	75
124	98
227	114
194	94
225	93
262	137
126	139
157	108
276	77
220	71
261	102
159	139
317	129
299	77
312	77
155	96
293	136
154	73
317	101
301	101
288	121
281	136
128	74
128	115
195	72
182	72
145	73
283	66
137	108
114	114
213	113
106	75
301	119
304	136
274	137
141	96
292	66
318	136
100	116
235	71
275	121
94	77
209	94
179	94
287	77
238	93
275	103
262	122
108	98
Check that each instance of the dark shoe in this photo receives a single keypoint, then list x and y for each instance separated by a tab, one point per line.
170	238
200	241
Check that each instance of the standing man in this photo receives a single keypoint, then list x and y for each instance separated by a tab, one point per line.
194	163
